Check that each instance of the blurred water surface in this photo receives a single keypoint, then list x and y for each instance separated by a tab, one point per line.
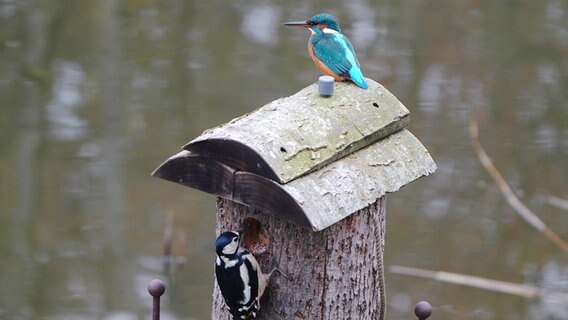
95	94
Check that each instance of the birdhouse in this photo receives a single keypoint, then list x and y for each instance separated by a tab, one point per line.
307	159
318	163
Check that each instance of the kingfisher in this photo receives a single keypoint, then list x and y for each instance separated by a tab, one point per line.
331	51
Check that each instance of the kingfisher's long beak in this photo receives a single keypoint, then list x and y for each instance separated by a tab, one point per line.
303	24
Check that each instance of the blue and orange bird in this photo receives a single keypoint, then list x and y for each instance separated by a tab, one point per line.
331	51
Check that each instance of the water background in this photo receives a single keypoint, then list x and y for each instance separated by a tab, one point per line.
95	94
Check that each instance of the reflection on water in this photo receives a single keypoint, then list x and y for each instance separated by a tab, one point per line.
66	99
263	31
94	95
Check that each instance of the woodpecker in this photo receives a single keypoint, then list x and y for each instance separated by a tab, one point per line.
240	279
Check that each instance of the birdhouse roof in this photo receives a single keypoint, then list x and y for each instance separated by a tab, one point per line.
305	158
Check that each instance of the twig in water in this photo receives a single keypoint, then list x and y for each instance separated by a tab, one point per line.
522	290
557	202
509	195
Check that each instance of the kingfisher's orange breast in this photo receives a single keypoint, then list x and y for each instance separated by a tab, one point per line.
321	66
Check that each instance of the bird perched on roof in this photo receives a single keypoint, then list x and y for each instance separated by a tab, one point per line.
240	279
331	51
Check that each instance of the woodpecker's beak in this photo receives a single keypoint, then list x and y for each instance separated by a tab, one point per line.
302	24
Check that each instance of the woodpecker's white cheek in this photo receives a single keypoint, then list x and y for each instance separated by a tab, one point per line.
231	248
246	281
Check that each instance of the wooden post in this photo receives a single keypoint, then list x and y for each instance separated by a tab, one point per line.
313	172
333	274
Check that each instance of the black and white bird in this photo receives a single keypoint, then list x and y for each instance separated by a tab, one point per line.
240	279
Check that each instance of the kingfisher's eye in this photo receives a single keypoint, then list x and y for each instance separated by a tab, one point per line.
234	239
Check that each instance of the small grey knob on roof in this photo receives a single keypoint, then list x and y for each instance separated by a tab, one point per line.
325	86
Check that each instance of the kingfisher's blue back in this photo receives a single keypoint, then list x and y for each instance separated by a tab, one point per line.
336	51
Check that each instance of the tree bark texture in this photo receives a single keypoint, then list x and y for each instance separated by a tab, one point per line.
336	273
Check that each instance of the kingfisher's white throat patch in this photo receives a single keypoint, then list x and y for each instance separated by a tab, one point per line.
325	30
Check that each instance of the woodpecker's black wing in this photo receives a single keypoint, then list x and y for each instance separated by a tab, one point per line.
230	283
238	281
253	303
